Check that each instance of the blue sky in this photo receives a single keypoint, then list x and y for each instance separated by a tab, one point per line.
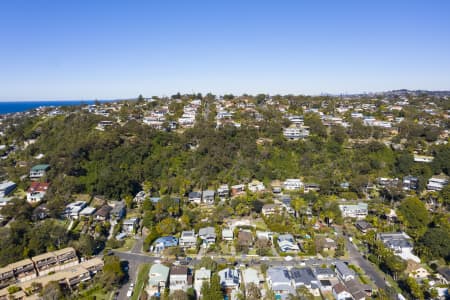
88	49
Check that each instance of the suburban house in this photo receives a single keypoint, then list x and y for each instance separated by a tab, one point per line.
227	234
245	238
358	211
400	243
268	235
40	213
195	197
311	187
295	133
279	281
38	171
102	214
324	273
340	292
158	277
73	209
118	210
343	271
444	273
292	184
208	235
223	191
287	243
276	186
325	244
140	197
357	290
305	277
250	275
437	182
256	186
180	278
238	189
416	271
201	276
87	212
188	239
363	226
270	209
410	183
229	280
129	226
208	196
6	188
162	243
36	191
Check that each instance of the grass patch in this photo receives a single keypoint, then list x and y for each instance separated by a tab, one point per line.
142	278
100	295
129	243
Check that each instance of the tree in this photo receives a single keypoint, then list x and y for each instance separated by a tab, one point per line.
86	245
415	216
207	263
178	295
445	195
52	291
395	264
252	292
437	240
414	288
167	226
112	272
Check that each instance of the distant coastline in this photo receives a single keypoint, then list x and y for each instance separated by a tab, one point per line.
7	107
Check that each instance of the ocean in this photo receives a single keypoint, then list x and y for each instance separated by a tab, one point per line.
20	106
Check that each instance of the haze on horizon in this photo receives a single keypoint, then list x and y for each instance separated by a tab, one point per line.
116	49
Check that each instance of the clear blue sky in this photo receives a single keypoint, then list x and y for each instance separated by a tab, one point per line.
87	49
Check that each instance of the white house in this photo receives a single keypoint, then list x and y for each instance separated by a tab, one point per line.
340	292
229	279
343	271
208	235
437	182
188	239
130	225
179	278
292	184
202	275
38	171
227	234
296	133
72	210
256	186
37	191
358	211
287	243
400	243
208	197
279	281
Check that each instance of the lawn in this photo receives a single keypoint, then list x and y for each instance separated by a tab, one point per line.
140	281
129	243
102	296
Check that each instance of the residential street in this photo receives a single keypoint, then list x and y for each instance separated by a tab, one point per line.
357	259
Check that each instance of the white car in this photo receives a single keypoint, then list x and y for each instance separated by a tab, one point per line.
130	293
